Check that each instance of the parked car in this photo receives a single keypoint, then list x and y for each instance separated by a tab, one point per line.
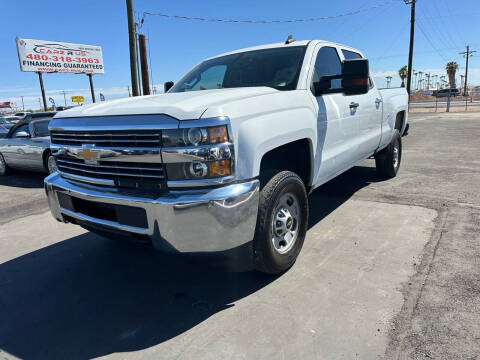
446	92
12	119
5	126
22	113
27	146
38	115
225	160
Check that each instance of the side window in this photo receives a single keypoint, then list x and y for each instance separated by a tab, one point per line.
41	128
350	55
328	63
20	128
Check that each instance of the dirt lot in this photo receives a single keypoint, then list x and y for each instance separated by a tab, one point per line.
389	269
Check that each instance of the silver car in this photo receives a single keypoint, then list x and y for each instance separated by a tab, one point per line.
27	146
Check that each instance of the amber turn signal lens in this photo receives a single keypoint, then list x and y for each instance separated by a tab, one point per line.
219	168
217	134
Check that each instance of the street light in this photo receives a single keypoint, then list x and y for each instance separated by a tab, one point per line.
389	79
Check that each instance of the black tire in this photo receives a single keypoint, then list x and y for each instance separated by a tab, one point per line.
4	170
388	160
267	258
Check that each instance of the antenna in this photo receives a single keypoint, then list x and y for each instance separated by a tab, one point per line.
289	40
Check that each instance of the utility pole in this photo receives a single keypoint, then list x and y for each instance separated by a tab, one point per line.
132	44
410	52
128	88
466	54
64	97
144	64
23	106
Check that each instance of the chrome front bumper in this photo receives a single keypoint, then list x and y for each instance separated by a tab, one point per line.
206	220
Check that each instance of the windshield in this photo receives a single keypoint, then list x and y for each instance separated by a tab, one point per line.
278	68
41	128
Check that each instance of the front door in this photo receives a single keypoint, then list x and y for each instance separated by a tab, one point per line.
337	125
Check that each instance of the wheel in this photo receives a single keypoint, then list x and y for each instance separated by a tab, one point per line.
281	223
388	160
3	166
51	164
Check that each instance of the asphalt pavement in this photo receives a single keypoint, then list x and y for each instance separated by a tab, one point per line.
389	270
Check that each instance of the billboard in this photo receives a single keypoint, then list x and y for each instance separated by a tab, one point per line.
78	99
52	56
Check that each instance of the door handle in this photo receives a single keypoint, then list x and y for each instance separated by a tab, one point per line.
378	101
354	105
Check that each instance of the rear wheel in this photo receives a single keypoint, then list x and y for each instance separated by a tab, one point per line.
281	224
3	166
388	160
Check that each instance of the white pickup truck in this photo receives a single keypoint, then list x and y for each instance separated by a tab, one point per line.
227	157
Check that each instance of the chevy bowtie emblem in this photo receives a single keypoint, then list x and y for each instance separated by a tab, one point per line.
89	154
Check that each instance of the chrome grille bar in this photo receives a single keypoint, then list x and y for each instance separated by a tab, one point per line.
124	138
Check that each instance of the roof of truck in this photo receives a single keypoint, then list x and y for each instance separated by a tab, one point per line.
282	44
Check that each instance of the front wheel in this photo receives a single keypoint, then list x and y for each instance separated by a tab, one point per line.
51	164
281	224
3	166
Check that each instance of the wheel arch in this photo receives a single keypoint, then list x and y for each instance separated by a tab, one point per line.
400	121
295	156
45	155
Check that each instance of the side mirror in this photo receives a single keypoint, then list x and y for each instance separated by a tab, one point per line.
356	76
22	134
167	86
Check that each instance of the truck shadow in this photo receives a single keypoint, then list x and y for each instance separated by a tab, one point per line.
87	296
23	179
334	193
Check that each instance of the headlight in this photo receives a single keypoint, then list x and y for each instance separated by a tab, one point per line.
195	136
197	153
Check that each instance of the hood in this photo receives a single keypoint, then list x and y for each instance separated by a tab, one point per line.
182	106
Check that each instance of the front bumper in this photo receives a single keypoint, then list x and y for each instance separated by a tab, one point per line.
207	220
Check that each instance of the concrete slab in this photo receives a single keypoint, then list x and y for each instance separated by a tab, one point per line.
66	294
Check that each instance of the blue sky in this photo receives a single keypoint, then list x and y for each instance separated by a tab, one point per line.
444	28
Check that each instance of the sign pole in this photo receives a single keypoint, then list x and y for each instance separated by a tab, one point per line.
91	86
43	91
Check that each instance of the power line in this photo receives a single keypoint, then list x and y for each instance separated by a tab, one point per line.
258	21
430	41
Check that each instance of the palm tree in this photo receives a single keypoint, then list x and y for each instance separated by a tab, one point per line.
451	68
402	72
420	73
415	81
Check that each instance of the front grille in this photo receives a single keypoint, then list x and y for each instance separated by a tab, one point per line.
117	138
126	174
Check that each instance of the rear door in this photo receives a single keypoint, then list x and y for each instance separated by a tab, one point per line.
368	110
337	127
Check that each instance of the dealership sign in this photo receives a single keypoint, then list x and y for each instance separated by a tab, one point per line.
78	99
52	56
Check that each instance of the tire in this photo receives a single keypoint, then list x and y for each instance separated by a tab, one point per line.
388	160
282	223
3	166
50	164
